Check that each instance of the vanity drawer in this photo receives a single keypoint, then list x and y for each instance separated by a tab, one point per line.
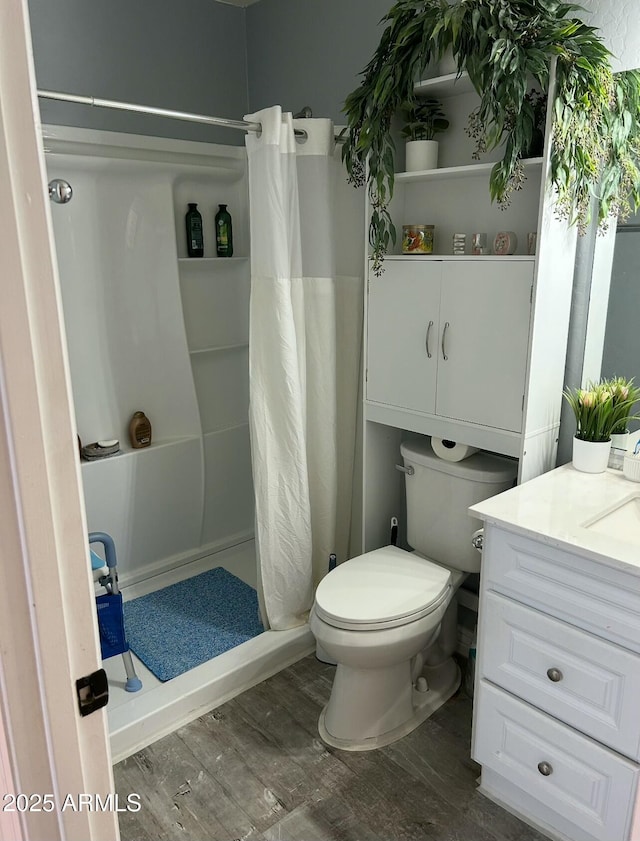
591	787
586	682
601	599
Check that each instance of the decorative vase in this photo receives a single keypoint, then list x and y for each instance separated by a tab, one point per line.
590	456
421	154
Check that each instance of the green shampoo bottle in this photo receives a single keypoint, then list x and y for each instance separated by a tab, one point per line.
224	232
195	239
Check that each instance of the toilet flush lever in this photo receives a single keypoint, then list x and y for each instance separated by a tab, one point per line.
408	470
477	539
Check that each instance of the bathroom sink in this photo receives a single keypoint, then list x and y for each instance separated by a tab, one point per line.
621	521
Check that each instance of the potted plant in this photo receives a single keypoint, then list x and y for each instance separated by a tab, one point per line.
595	140
424	118
623	391
599	409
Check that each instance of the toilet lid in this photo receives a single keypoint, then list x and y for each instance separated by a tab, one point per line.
385	587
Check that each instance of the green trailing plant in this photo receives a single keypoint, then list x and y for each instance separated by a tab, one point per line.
603	409
424	118
504	45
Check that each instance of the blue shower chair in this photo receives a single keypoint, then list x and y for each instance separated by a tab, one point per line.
113	640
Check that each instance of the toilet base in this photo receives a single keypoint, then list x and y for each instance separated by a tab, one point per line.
443	681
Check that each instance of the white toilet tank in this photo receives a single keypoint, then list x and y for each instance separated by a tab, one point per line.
438	496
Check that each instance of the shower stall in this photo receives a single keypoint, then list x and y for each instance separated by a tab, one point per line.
150	329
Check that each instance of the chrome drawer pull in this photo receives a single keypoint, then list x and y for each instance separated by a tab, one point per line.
545	768
555	675
426	341
444	333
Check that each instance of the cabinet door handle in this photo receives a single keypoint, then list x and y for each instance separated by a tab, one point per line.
426	341
554	675
444	333
545	768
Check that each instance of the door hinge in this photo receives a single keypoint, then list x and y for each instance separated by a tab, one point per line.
366	376
531	294
93	692
523	402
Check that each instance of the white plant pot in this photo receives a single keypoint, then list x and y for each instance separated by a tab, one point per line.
590	456
620	441
421	154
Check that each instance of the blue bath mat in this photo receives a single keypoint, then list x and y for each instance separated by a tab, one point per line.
175	629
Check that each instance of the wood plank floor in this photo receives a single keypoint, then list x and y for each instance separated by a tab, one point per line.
255	768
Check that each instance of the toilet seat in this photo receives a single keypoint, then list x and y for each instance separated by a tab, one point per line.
381	589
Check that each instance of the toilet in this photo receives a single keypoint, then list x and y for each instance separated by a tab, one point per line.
388	618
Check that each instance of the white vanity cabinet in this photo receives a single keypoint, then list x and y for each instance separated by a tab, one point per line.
557	703
436	327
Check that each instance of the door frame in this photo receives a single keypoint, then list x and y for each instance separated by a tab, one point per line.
48	634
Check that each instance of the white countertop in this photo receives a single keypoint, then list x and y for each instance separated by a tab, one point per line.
566	508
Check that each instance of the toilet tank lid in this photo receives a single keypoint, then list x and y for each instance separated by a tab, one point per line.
381	586
480	467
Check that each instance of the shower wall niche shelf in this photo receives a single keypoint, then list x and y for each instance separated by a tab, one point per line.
127	450
469	348
219	348
209	262
207	191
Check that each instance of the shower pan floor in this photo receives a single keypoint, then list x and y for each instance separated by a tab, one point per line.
138	719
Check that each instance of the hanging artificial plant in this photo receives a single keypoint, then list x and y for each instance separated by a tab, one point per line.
503	45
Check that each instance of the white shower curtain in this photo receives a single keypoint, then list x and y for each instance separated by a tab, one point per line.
292	360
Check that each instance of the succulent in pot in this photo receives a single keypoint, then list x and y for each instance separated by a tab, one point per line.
424	118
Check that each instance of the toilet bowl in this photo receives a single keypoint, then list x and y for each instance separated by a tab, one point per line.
388	618
377	618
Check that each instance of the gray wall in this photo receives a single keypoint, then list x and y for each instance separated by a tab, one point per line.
310	52
618	24
209	57
187	56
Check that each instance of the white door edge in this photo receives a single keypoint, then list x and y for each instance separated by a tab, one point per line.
48	636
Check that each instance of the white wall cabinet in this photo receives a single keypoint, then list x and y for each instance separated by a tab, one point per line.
556	726
500	321
436	328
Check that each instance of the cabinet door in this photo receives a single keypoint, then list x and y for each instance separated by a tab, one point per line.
484	338
402	334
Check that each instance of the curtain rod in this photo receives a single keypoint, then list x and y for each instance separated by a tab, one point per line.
222	122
